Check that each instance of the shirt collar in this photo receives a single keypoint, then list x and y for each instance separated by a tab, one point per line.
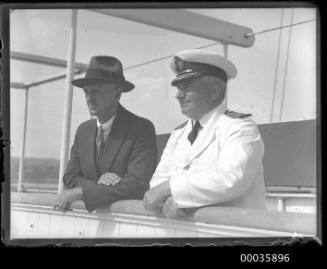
107	124
218	110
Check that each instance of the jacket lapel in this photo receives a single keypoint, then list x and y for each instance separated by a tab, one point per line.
116	137
89	145
200	144
206	136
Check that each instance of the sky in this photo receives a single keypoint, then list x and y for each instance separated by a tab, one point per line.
46	33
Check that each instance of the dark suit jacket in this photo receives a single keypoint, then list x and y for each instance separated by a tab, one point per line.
130	152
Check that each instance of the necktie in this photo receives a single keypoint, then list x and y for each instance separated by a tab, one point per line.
100	140
194	133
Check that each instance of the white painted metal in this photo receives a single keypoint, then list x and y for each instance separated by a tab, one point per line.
225	51
17	85
286	195
51	79
20	186
301	203
68	100
37	59
32	221
281	204
292	204
187	22
225	48
291	189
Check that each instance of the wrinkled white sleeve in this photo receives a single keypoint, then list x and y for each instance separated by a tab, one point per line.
238	162
161	173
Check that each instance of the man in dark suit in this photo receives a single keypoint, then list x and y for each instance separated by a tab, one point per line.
113	156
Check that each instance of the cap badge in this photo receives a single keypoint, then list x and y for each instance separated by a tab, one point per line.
178	64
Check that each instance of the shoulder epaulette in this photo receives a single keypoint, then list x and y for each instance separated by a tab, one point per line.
236	115
181	126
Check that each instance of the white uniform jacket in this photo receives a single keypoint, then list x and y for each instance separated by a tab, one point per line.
222	167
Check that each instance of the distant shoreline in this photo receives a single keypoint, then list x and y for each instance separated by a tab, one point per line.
36	170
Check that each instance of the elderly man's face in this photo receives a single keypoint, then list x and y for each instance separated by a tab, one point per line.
101	98
194	98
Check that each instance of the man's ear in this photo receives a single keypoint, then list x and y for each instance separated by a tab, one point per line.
215	92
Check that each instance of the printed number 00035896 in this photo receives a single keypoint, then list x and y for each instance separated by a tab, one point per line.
265	257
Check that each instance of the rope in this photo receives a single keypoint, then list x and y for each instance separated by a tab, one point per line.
165	57
286	68
276	67
277	28
216	43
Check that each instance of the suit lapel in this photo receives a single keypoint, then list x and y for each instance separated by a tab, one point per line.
90	137
116	137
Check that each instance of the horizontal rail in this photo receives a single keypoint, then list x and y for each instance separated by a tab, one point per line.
290	189
105	220
52	79
292	195
32	58
18	85
302	223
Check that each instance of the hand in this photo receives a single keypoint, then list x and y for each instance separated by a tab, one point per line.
65	199
109	179
154	198
170	209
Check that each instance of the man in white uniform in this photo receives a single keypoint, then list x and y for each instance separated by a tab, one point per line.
214	158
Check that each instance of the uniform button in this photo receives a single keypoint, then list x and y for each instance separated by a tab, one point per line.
187	167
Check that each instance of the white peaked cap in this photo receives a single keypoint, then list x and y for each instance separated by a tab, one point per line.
206	57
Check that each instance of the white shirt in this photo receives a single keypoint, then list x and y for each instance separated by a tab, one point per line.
106	127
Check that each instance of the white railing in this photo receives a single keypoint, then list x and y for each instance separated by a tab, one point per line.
128	219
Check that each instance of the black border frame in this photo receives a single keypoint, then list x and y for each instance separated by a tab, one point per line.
5	124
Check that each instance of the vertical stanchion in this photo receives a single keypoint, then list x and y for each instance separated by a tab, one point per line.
225	50
68	100
281	204
20	186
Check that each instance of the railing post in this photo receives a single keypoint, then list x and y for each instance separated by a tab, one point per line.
20	186
225	51
281	204
68	100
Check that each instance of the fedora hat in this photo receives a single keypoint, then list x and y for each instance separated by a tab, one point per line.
104	69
